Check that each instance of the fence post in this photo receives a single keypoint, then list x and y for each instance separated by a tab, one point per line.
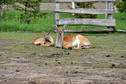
106	8
110	6
110	16
73	6
56	14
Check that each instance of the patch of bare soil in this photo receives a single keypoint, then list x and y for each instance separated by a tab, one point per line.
18	70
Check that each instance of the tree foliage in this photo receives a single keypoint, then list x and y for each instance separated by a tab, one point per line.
6	1
3	2
31	9
86	5
121	6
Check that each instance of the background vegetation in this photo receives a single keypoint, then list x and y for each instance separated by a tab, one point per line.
35	21
121	6
12	22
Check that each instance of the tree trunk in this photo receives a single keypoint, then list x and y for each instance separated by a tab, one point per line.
38	8
26	18
1	11
26	3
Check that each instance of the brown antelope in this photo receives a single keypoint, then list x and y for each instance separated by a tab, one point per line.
47	40
71	41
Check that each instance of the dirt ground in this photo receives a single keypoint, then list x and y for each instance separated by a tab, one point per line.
24	63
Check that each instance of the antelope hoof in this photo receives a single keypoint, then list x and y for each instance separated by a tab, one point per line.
38	44
52	45
85	45
69	48
57	46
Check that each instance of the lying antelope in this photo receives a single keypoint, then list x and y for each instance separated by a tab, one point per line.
71	41
47	40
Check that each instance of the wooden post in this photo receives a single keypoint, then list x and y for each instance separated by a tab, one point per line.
110	6
73	7
57	17
110	16
106	8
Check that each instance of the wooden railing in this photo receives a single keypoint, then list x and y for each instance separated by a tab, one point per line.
108	22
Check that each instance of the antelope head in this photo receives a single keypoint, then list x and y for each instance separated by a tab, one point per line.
46	34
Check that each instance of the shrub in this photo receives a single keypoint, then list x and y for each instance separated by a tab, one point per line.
86	5
31	9
121	6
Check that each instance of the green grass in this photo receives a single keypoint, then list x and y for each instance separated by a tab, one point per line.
104	44
11	22
101	41
120	21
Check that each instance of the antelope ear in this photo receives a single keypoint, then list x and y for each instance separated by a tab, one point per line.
64	26
48	33
56	26
56	30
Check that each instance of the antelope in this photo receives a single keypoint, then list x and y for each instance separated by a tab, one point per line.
47	40
76	41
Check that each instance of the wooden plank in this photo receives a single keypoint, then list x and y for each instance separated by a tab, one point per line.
62	1
88	30
92	22
46	11
86	11
121	31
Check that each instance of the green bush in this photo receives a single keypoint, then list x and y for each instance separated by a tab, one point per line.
31	10
121	6
86	5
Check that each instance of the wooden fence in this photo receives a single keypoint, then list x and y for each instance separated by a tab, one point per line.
108	22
